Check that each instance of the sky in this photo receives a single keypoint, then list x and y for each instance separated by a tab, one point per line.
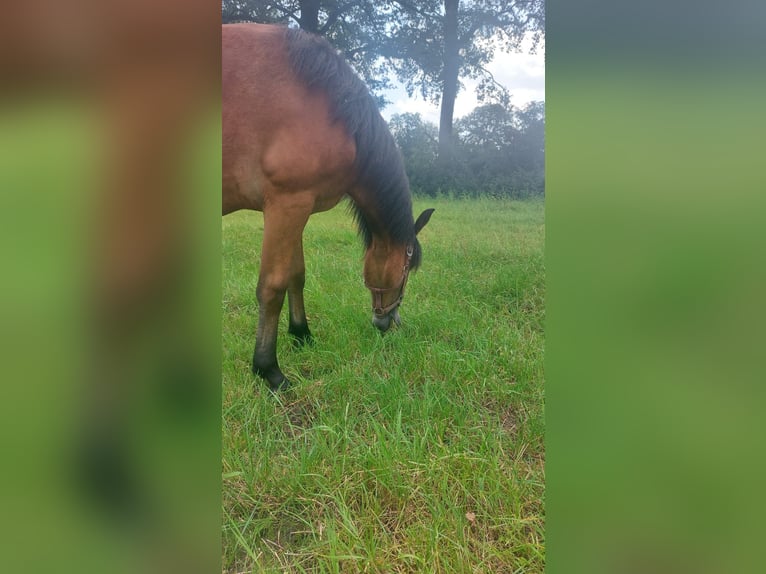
522	74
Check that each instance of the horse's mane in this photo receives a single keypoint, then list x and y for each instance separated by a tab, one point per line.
378	163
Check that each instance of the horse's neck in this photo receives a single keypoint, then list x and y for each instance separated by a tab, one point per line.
366	214
383	228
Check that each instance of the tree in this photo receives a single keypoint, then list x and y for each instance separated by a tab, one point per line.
488	127
435	43
249	11
418	142
530	148
502	149
486	140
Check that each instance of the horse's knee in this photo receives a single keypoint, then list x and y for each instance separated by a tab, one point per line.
271	288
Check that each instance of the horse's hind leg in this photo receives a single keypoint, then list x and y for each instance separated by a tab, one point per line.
282	231
298	326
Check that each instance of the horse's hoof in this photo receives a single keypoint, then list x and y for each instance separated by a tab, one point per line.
279	386
273	377
301	334
300	341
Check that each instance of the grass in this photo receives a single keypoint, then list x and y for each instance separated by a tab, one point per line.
417	451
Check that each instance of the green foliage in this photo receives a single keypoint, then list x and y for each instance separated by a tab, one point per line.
418	142
417	451
500	151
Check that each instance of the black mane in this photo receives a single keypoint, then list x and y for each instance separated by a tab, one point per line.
378	163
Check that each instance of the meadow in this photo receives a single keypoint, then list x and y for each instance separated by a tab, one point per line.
421	450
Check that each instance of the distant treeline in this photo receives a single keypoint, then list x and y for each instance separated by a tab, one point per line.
499	151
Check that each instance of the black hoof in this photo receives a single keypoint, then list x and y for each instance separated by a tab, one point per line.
279	386
301	335
273	377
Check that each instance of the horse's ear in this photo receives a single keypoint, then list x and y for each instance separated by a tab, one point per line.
422	220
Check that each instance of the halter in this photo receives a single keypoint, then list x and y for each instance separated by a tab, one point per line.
377	292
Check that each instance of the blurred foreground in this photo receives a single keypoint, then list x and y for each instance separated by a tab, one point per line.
109	162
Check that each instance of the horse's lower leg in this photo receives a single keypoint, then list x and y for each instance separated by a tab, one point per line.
300	331
265	363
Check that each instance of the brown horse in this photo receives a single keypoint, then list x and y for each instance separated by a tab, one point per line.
300	132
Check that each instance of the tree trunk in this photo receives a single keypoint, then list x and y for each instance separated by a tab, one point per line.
309	19
450	73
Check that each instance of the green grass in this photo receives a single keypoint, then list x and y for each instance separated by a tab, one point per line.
417	451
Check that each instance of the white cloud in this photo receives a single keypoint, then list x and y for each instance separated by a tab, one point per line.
519	72
403	104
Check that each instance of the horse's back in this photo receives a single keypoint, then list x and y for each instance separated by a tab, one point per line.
278	137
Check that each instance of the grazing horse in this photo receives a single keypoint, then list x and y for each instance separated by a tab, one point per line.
300	132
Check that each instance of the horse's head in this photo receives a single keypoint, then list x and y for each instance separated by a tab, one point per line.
387	266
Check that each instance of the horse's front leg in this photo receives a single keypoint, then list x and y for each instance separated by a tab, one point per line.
270	298
280	268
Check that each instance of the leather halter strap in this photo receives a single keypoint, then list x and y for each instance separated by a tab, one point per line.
377	292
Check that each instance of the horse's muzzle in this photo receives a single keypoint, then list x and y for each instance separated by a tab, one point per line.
383	322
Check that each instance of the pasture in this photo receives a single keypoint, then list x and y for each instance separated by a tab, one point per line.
421	450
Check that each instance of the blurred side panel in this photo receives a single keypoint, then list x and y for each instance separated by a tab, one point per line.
110	329
655	266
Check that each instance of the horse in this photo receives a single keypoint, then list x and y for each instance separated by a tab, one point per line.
300	132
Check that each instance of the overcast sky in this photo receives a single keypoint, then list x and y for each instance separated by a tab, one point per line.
522	74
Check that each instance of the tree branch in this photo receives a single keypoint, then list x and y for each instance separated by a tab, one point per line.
491	76
333	16
289	13
412	7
